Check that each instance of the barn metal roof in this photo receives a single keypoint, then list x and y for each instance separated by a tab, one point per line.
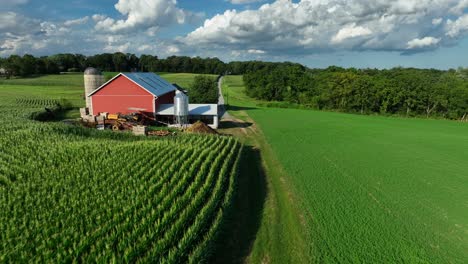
149	81
194	109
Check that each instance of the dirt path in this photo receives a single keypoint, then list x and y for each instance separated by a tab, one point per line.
268	225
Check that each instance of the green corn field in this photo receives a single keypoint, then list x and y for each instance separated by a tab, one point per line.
72	194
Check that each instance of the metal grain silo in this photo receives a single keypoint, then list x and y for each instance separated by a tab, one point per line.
93	79
181	108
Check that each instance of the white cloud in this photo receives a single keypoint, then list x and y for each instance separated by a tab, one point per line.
457	27
350	31
142	14
240	2
460	7
315	26
17	32
76	22
144	48
422	43
172	49
12	44
98	17
256	51
437	21
50	29
280	30
152	31
117	48
20	34
17	24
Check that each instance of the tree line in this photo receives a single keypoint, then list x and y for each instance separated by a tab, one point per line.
397	91
401	91
28	65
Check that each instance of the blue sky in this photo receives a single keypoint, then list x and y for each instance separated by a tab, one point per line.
317	33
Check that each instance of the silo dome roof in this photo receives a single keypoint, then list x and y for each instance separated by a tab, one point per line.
92	71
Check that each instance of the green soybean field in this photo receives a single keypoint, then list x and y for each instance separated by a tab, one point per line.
371	189
73	194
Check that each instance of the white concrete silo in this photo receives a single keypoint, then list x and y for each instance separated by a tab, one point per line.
93	79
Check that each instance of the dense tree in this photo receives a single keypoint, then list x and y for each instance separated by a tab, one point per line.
125	62
400	91
66	61
409	92
27	65
204	90
148	63
120	61
13	65
103	62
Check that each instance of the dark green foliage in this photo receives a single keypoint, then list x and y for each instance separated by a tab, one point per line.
28	65
204	90
126	62
408	92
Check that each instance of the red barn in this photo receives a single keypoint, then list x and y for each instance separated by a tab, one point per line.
128	92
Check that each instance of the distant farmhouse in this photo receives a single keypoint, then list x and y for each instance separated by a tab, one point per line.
146	92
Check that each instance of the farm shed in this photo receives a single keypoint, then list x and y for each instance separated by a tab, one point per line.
208	113
128	92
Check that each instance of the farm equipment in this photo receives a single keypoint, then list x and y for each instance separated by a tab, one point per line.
126	122
143	118
119	124
113	116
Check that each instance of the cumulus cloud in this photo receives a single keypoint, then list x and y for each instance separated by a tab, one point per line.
50	29
283	29
314	26
17	31
11	22
437	21
140	22
350	31
118	48
460	7
98	17
457	27
240	2
145	48
20	34
255	51
423	42
143	14
76	22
